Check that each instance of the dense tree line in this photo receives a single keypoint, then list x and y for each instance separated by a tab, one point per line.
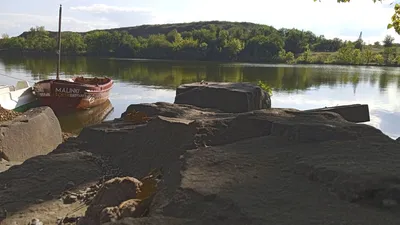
208	41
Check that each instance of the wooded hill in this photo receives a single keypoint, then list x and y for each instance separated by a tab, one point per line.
214	40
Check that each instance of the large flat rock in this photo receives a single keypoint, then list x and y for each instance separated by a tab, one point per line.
36	132
227	97
261	181
215	127
271	166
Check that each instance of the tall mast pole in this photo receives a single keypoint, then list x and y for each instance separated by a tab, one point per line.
59	44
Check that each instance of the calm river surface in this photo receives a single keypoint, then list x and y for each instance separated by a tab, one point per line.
300	87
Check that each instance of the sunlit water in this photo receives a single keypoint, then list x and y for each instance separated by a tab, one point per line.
300	87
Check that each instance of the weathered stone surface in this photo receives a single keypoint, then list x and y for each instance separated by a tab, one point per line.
247	177
36	132
356	113
136	148
39	180
227	97
112	193
175	110
215	127
272	166
398	139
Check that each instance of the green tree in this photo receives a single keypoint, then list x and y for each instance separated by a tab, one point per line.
356	57
204	35
295	41
345	54
126	45
367	55
206	41
72	43
388	41
379	59
15	43
174	36
99	42
389	55
234	46
223	38
286	57
38	39
158	41
305	57
263	48
187	34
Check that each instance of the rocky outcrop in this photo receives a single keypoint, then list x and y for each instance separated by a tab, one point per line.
398	139
36	132
227	97
254	167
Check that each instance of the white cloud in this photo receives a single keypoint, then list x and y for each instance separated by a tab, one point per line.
16	23
327	18
103	8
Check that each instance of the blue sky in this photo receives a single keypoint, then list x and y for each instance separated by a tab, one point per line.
323	18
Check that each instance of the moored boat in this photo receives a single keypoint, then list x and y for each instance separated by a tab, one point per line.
18	97
76	93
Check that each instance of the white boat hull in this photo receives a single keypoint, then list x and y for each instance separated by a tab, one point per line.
13	97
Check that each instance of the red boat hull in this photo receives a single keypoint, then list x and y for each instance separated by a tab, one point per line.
80	93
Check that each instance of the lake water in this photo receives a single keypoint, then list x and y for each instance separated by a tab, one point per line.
298	86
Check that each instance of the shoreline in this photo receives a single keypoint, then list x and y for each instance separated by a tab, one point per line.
37	54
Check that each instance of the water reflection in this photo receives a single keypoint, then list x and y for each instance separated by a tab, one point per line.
302	87
171	74
73	122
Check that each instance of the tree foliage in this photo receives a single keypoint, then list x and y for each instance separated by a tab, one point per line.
207	41
222	41
388	41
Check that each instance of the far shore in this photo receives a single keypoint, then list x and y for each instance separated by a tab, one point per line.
37	54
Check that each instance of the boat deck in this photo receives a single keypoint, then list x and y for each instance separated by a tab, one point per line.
6	88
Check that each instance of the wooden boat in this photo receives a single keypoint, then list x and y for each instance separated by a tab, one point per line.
18	97
76	93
